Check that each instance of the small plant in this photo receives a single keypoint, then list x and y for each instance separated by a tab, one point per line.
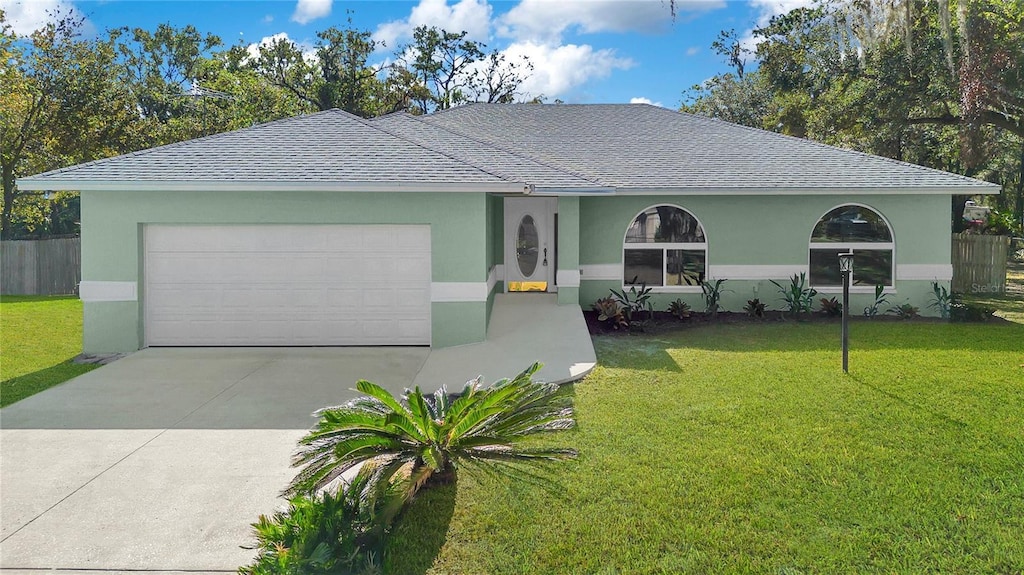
831	307
904	311
754	308
941	300
634	302
712	296
880	300
610	310
679	309
799	296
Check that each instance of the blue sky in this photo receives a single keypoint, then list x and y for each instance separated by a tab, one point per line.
583	51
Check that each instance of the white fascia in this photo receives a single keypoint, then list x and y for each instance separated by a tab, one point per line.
816	191
53	184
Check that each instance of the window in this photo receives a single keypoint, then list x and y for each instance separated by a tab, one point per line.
664	247
854	228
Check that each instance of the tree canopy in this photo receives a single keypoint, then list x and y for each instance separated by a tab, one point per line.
933	82
68	98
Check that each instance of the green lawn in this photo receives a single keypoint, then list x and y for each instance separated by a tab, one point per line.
744	449
38	338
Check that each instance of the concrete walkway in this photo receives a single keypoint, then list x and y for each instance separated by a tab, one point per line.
161	460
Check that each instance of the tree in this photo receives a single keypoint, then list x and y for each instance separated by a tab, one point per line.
443	62
60	105
335	75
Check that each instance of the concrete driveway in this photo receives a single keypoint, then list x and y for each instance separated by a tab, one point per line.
161	460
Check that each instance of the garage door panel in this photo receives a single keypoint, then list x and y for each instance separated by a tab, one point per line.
287	285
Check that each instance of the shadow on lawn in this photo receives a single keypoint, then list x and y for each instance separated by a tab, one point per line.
421	532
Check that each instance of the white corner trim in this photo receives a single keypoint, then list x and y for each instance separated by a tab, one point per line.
753	272
92	290
568	278
601	272
459	291
933	272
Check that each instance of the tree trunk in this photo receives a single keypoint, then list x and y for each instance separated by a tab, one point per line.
1018	209
7	175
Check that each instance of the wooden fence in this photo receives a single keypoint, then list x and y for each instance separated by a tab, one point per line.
40	267
979	263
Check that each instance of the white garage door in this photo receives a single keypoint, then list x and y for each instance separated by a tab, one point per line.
287	285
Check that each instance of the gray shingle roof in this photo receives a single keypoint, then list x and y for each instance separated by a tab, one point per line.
647	147
581	148
326	147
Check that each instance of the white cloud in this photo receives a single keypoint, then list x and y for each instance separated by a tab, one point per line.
268	19
307	49
645	101
559	69
471	16
545	21
308	10
767	9
692	51
27	16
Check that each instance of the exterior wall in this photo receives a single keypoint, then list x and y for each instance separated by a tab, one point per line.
769	231
568	250
495	248
112	248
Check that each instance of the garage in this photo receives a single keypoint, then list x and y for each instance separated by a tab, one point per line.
286	285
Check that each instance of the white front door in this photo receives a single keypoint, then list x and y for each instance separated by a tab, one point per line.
530	244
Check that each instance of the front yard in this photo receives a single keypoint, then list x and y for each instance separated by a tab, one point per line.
39	335
744	448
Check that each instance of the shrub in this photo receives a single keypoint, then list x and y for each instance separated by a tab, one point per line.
610	310
941	300
754	308
831	307
633	302
712	296
679	309
904	311
427	438
322	534
969	312
880	300
799	296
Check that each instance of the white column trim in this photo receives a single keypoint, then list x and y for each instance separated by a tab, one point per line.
601	272
933	272
755	272
93	290
568	278
459	291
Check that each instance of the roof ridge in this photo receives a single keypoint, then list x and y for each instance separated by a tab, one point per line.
373	125
808	141
181	143
521	155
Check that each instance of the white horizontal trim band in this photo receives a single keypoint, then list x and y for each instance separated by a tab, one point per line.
754	272
601	272
91	291
458	291
933	272
568	278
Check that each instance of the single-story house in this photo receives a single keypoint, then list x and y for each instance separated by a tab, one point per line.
329	229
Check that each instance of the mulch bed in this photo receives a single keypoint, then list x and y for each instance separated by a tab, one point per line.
664	322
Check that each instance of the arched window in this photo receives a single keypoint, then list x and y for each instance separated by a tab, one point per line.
855	228
664	246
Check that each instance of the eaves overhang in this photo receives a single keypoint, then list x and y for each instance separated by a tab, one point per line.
94	185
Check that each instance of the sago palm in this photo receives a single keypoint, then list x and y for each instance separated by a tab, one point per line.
430	436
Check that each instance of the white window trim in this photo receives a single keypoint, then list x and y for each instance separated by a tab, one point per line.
701	246
854	246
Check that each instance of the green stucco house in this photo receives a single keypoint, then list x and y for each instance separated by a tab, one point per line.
329	229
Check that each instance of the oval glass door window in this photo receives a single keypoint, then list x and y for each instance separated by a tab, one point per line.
527	246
